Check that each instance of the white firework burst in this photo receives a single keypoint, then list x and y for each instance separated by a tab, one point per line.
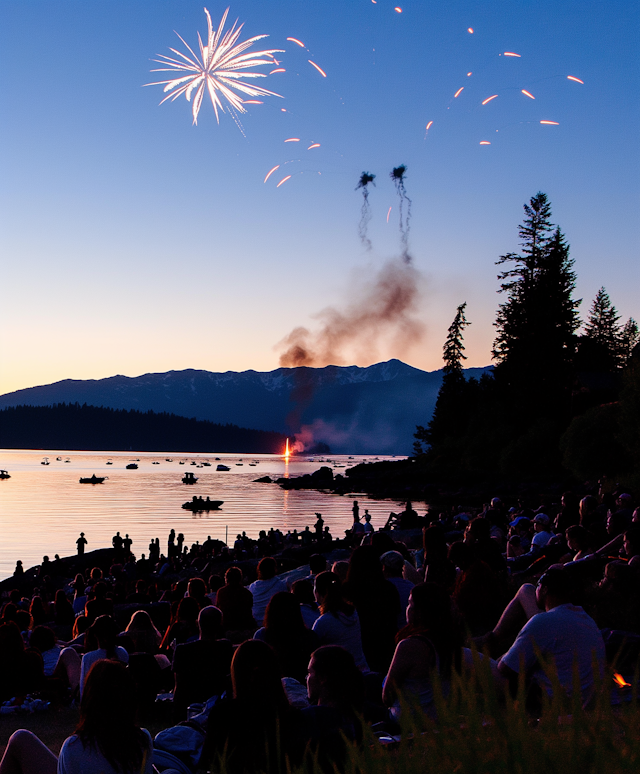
219	70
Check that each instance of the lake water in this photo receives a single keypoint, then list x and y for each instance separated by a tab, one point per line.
43	508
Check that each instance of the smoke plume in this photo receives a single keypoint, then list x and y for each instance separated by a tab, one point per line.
383	311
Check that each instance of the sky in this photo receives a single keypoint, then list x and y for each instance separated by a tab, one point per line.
133	241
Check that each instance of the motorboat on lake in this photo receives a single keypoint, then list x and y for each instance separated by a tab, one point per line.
223	467
132	466
45	461
202	504
4	474
93	479
189	478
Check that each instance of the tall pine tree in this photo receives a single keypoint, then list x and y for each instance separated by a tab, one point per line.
536	325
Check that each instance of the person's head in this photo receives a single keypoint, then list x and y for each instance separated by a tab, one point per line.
618	576
210	623
141	622
587	506
616	524
462	555
233	576
96	573
365	567
479	529
341	569
434	542
328	593
11	642
317	563
302	590
429	606
624	500
37	607
42	639
255	675
100	590
283	617
578	538
188	609
103	632
554	588
334	680
632	541
541	522
197	589
80	625
392	564
108	711
61	598
267	568
215	582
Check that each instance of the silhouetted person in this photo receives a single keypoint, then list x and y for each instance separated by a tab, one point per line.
126	544
81	542
318	527
19	571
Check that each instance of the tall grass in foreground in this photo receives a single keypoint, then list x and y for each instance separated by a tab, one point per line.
480	730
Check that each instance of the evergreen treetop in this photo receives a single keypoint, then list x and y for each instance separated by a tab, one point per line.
452	351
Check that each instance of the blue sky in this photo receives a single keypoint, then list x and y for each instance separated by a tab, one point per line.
134	241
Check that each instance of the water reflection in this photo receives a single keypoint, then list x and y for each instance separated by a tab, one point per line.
44	508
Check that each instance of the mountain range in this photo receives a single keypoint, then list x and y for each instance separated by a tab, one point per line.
354	410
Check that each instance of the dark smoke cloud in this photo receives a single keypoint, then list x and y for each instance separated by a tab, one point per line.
398	175
383	311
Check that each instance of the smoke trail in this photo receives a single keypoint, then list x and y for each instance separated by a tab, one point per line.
397	175
365	213
383	311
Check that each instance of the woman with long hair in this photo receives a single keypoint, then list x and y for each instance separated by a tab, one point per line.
285	631
257	729
338	623
431	643
183	626
101	644
144	635
107	738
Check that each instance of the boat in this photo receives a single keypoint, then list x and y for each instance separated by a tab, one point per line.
202	504
181	463
239	464
155	463
223	467
132	466
58	459
206	464
45	461
4	474
109	462
67	460
168	459
93	479
189	478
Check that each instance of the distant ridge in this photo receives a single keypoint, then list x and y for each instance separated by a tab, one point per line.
371	410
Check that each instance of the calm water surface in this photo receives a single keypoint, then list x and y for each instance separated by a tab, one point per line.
43	508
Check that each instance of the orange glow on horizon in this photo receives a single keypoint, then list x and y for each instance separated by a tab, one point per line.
488	99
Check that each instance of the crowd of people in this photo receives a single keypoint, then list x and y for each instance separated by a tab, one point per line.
308	656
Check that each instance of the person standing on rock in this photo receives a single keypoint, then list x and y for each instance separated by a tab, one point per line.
81	542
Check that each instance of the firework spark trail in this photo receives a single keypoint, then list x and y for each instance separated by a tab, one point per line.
365	212
217	70
397	175
383	310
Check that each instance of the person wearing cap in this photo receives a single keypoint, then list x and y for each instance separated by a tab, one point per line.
543	534
563	634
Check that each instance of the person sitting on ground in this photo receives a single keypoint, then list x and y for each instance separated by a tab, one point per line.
21	668
98	603
317	564
39	613
64	615
58	662
183	626
392	567
236	603
197	589
477	592
564	633
338	623
140	595
256	729
106	740
437	566
430	643
341	569
265	587
579	541
101	644
285	631
378	604
302	590
201	667
143	634
335	688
